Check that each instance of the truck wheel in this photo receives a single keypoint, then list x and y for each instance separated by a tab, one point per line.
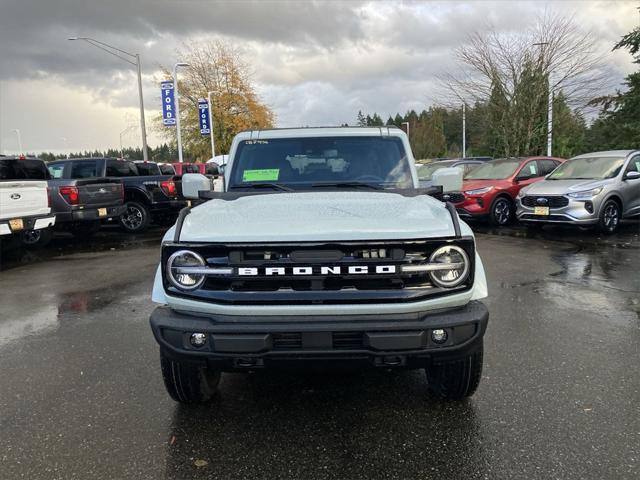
85	229
36	238
188	383
456	379
501	211
609	217
136	218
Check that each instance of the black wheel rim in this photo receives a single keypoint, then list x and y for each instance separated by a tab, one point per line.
31	237
611	217
501	212
132	218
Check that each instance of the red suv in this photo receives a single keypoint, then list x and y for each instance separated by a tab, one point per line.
491	189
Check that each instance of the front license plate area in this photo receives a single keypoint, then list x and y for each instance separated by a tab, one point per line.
541	210
102	212
16	224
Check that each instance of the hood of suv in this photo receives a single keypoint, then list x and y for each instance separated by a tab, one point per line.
477	184
562	187
318	216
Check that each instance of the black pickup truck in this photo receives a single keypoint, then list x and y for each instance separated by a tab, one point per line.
147	198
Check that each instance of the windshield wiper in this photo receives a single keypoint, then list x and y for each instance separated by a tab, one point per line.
274	186
347	185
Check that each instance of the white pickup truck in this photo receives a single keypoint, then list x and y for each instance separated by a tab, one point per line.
24	197
321	252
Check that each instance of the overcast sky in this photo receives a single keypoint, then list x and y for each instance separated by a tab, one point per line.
314	63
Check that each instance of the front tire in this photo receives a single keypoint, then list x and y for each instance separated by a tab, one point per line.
455	379
136	217
188	383
609	217
501	212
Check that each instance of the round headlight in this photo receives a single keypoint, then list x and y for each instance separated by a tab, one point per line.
181	279
454	256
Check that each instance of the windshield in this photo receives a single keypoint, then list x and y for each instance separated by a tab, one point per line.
425	172
495	169
146	168
167	170
25	169
311	162
588	168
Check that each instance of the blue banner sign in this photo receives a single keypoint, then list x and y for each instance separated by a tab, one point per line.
203	108
168	112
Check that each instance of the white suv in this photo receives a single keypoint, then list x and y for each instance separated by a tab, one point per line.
322	251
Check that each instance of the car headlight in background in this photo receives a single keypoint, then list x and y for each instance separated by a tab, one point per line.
522	192
182	279
458	260
586	194
478	191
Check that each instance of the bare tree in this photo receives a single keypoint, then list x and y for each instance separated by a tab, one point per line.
513	72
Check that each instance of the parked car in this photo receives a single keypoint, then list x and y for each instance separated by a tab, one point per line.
490	190
320	252
25	203
148	198
426	171
81	201
595	189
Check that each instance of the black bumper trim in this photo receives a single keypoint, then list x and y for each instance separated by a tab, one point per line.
234	337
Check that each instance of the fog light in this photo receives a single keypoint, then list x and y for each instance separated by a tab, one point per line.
588	206
439	335
198	339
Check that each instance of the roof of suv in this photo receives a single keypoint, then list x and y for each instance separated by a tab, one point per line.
321	132
607	153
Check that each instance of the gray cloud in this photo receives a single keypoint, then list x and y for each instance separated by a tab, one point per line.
314	62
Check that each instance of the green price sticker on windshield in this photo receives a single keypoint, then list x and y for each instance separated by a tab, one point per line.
263	175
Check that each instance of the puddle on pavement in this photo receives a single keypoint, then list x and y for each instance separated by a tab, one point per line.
58	309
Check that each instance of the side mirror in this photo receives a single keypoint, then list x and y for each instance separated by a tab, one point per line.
450	179
632	175
193	184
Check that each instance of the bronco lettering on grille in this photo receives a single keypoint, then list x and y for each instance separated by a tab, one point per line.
319	270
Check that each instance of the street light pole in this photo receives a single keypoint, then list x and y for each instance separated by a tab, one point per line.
550	119
213	141
115	52
177	107
17	130
464	130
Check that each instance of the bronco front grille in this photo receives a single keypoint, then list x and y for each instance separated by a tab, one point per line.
545	201
327	273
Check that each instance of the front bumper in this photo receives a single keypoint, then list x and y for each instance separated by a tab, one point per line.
90	214
30	223
574	213
382	340
473	206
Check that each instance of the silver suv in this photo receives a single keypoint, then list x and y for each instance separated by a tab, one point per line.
597	188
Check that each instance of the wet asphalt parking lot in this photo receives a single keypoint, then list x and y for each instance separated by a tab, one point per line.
81	394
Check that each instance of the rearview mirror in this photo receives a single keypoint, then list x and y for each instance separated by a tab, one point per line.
632	175
193	184
450	179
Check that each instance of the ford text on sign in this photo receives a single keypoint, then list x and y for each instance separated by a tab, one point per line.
203	108
168	112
